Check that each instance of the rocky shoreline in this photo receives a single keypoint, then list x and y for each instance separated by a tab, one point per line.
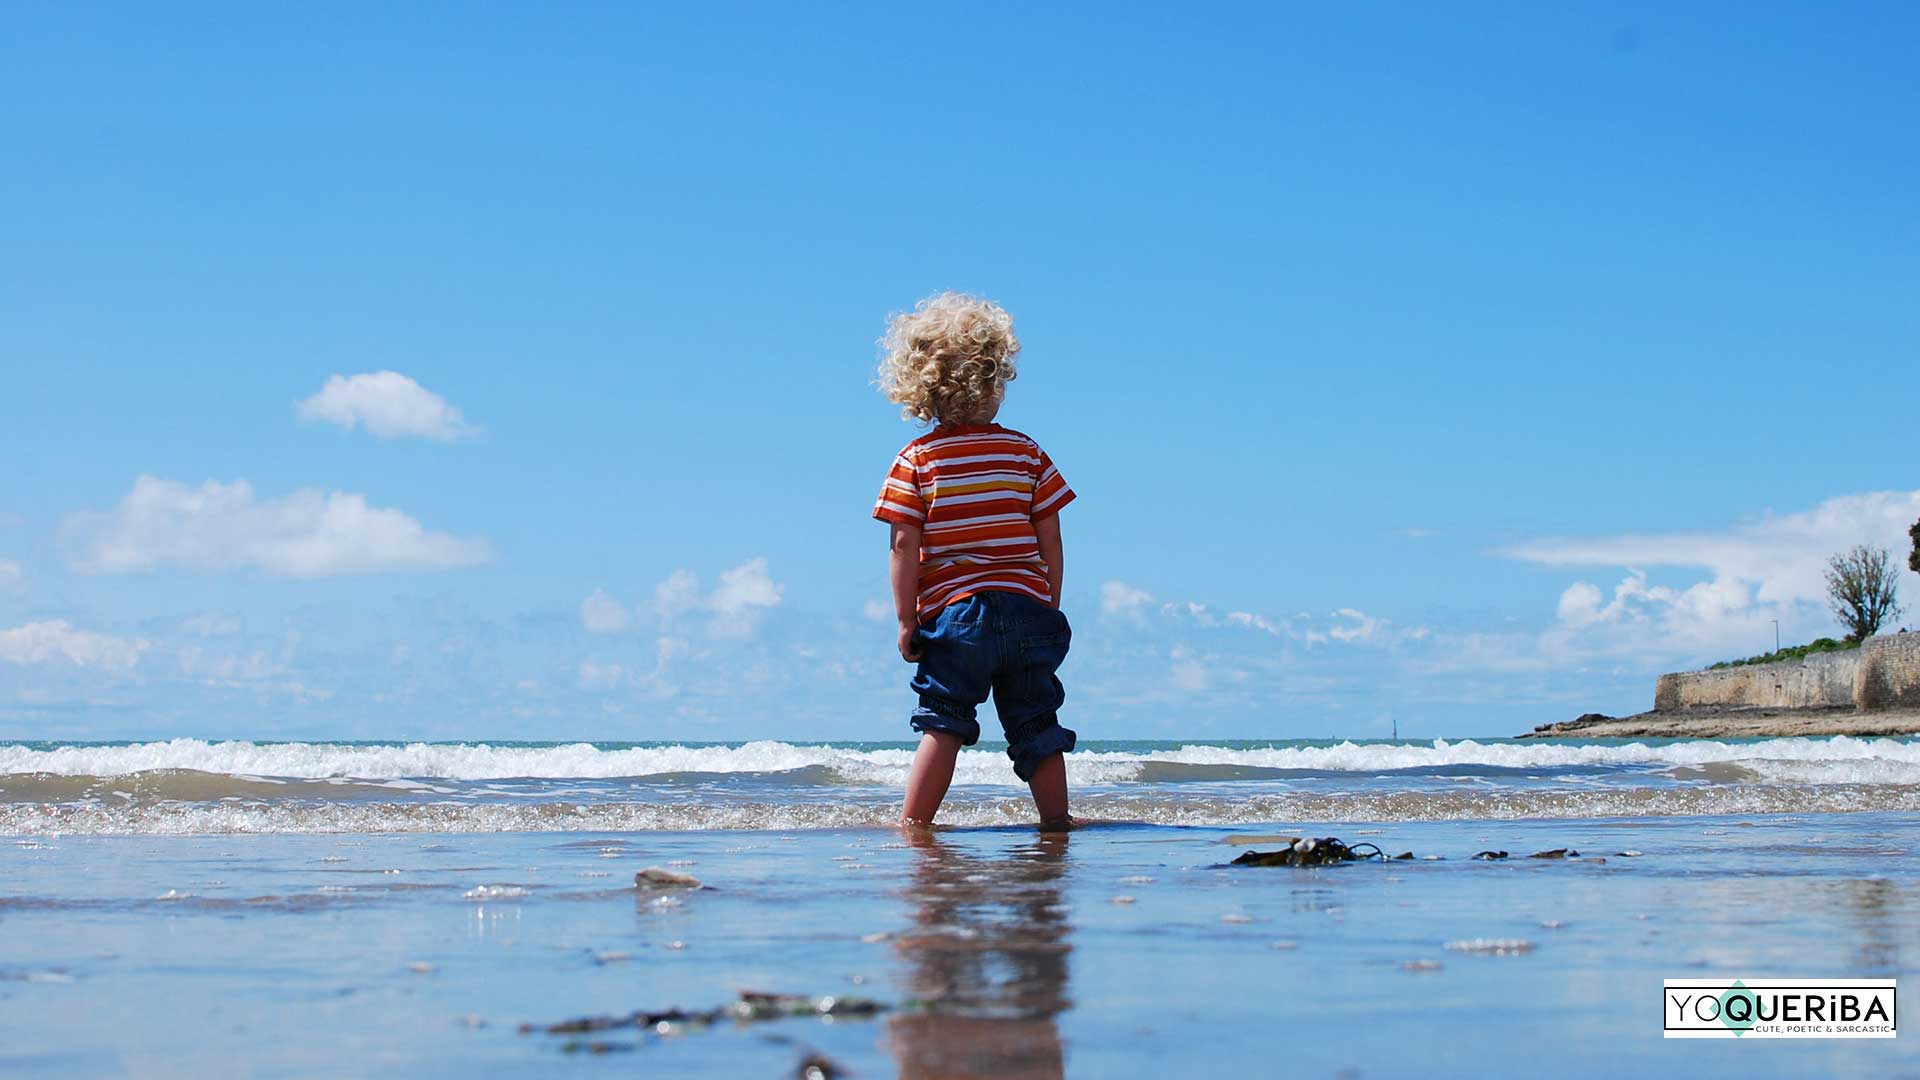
1734	722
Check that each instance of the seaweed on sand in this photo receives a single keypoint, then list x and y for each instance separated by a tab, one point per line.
1308	851
753	1007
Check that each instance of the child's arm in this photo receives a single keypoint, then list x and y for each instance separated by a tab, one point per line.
1047	531
903	573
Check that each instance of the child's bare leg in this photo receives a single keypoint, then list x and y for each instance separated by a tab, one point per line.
930	777
1049	786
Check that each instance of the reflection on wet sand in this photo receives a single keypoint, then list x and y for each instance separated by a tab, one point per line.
987	954
1873	905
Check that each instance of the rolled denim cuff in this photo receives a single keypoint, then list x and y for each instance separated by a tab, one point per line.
929	718
1036	743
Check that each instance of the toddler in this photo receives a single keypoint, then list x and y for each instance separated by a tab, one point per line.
974	556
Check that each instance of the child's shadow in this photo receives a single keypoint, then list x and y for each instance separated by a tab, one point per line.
987	954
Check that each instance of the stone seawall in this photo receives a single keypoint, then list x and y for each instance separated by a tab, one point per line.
1889	676
1883	673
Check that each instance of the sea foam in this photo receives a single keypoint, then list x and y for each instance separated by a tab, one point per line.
1837	760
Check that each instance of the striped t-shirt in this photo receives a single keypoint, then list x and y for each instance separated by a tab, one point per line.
975	491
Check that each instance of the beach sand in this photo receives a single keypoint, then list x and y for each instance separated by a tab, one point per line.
1126	950
1736	722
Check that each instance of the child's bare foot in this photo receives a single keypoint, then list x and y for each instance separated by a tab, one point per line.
918	834
1064	823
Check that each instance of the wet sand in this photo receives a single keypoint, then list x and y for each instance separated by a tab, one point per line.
1127	950
1744	722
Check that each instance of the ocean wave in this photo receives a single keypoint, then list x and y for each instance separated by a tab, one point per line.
189	785
187	818
1838	759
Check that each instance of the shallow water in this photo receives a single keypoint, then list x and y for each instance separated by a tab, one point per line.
1117	950
285	909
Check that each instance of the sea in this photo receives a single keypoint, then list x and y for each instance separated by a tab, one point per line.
199	908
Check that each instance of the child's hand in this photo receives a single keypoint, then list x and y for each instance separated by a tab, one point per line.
909	649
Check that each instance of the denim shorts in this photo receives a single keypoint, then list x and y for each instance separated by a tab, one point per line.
1004	643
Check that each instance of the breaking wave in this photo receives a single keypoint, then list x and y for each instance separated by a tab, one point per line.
194	786
1835	760
183	818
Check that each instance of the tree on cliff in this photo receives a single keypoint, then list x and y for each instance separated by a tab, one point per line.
1860	589
1913	560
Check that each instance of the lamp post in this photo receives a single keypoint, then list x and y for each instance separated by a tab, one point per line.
1776	635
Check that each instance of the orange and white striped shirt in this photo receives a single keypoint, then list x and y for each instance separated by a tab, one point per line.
975	490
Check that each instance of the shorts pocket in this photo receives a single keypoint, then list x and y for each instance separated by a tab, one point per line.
1041	655
1039	687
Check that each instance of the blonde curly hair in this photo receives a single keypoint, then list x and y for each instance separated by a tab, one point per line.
949	360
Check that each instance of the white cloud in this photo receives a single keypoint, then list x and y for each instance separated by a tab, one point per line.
593	676
39	642
602	614
677	595
877	611
735	605
11	576
1189	672
1120	598
1349	626
744	588
217	667
1760	570
1640	617
665	651
388	404
1783	556
1191	610
1360	627
1253	622
744	591
1580	604
304	534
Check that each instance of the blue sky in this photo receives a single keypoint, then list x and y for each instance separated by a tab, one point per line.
1461	367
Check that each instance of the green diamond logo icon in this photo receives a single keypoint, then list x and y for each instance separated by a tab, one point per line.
1738	992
